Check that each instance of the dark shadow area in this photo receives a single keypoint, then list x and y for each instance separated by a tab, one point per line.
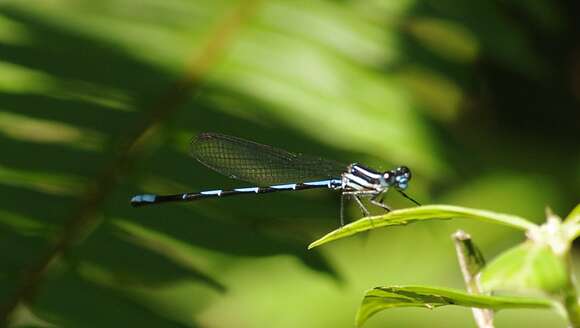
134	264
522	109
45	208
51	157
80	63
17	252
68	300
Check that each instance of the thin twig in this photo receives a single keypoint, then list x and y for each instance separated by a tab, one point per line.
471	262
83	220
570	297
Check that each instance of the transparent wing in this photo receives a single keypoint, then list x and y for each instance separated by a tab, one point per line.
261	164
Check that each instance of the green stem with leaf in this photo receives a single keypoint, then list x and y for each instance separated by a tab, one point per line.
542	264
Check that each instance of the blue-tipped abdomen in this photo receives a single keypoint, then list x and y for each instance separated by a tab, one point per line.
144	199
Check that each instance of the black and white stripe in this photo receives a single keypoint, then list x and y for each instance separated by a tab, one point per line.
148	199
360	178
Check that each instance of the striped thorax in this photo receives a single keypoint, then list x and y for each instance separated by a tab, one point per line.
361	178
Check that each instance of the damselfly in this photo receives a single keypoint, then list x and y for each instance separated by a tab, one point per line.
274	169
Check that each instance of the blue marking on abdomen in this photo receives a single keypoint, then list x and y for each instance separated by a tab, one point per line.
286	186
145	198
253	189
318	183
212	192
327	183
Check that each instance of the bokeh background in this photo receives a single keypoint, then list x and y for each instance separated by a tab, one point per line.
100	99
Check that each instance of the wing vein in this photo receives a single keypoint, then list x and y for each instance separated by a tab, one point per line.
257	163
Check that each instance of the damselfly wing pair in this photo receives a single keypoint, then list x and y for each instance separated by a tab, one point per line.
274	170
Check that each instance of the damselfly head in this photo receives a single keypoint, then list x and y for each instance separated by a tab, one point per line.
398	178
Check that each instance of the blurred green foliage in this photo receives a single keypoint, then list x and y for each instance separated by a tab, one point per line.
479	98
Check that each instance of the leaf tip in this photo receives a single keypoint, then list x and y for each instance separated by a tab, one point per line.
317	243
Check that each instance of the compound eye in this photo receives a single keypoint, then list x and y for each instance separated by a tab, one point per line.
403	175
403	185
404	171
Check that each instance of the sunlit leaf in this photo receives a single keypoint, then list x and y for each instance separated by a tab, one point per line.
528	267
383	298
572	223
422	213
574	216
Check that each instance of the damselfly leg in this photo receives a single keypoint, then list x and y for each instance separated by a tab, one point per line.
379	202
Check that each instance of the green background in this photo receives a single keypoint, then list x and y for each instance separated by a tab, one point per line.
100	99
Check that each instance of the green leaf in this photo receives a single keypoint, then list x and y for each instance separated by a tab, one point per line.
421	213
574	216
383	298
527	267
572	223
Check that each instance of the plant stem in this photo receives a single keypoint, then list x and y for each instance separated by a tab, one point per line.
471	262
570	299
